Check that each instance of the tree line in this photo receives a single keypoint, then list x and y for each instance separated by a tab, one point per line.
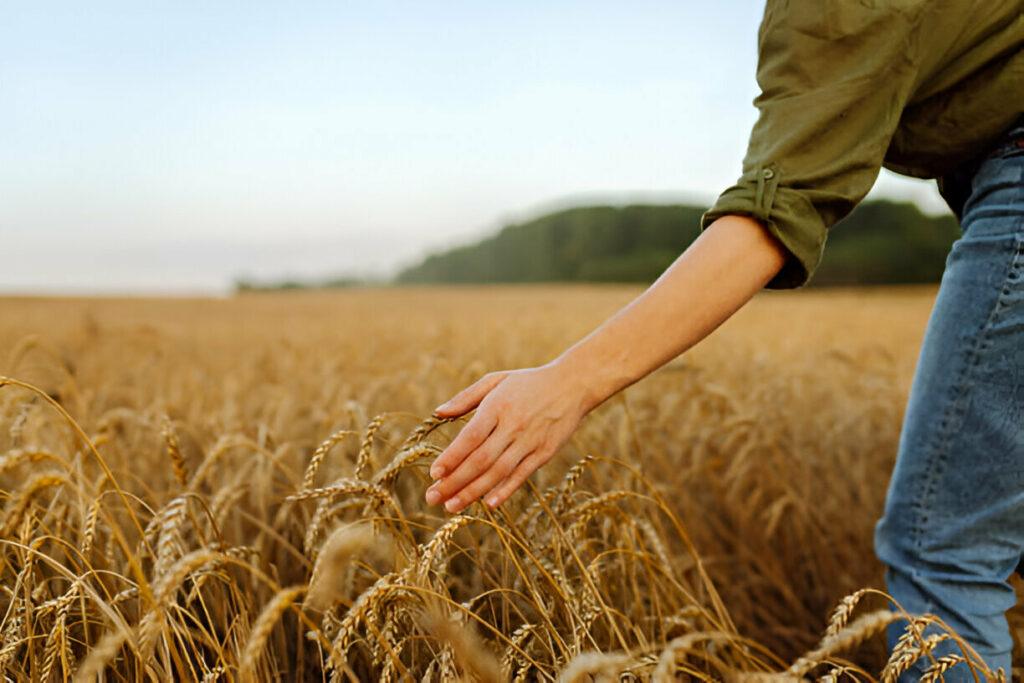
881	242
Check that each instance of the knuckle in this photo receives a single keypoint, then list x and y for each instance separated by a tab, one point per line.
469	470
502	469
523	472
478	461
450	460
474	491
475	432
493	478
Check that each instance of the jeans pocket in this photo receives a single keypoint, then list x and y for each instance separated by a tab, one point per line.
1008	318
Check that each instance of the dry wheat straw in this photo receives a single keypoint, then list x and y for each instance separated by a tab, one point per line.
24	499
433	551
174	452
169	546
262	627
320	453
423	430
332	561
904	655
843	612
363	604
11	639
587	510
99	656
91	522
666	666
346	486
164	590
214	674
572	477
941	666
856	632
468	651
56	641
21	456
385	478
515	645
596	666
364	459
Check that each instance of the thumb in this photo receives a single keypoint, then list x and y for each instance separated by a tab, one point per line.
470	397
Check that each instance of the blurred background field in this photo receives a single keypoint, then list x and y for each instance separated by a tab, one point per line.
771	443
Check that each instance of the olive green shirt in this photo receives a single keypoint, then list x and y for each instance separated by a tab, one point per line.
921	87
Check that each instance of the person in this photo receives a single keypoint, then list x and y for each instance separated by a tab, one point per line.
928	89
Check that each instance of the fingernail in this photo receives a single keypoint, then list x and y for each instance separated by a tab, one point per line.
436	471
433	497
492	502
452	505
443	406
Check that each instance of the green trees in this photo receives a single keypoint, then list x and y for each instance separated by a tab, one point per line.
879	243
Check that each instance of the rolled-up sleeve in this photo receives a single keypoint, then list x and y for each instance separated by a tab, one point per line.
835	76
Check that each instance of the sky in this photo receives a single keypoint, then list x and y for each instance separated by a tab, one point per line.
172	147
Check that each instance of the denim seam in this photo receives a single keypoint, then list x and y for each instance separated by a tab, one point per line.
953	414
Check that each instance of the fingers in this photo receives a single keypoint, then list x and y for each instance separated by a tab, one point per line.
502	479
519	474
471	466
472	436
470	397
481	472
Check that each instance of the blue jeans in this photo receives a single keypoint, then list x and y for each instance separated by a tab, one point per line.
953	528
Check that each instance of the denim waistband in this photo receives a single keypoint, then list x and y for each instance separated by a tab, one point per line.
1012	143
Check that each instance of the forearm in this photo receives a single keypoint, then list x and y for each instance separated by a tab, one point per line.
524	416
731	261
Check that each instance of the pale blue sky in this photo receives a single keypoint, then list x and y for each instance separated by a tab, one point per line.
172	146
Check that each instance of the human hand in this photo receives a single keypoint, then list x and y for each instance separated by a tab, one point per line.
522	418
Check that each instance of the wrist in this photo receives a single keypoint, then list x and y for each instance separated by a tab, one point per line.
588	379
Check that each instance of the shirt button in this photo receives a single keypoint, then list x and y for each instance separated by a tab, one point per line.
767	174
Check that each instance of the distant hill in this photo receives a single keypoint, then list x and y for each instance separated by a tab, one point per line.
879	243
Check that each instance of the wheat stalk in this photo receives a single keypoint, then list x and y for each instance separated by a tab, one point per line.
24	499
165	588
174	452
99	656
905	653
56	641
432	552
363	460
169	546
262	627
385	478
941	666
332	561
856	632
843	612
320	453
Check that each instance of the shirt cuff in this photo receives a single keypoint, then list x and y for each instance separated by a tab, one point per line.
787	213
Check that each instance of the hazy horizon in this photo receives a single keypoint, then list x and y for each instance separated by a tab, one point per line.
176	148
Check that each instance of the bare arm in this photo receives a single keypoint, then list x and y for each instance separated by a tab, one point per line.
524	416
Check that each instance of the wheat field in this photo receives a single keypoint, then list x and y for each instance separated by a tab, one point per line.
232	490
